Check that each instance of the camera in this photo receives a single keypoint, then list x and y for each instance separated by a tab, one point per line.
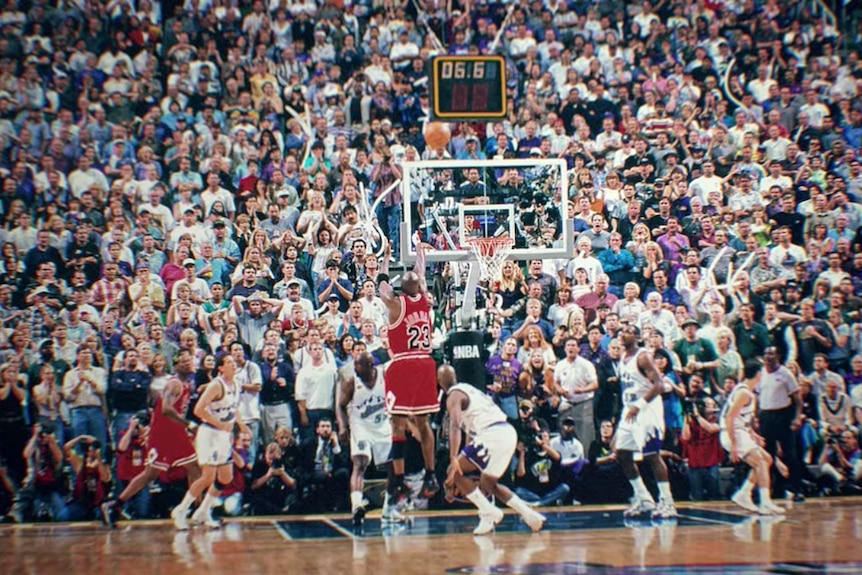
688	406
277	465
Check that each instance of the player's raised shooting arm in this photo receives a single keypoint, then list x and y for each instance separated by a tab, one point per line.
419	266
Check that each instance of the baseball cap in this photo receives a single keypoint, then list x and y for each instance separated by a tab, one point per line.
525	403
293	282
188	262
690	321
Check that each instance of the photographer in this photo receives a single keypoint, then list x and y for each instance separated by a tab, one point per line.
92	477
45	489
702	449
538	478
131	458
270	483
841	464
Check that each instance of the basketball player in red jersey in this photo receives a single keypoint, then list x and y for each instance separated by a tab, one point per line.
169	445
411	377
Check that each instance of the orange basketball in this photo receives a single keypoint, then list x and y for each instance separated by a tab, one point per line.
437	134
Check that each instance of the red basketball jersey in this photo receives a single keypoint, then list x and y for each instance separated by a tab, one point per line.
411	334
163	431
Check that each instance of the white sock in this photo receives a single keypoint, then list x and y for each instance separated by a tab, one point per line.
765	497
208	502
518	505
664	491
480	501
355	500
187	502
747	487
641	492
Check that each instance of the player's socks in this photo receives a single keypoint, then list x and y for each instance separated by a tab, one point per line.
747	487
518	504
187	502
664	490
765	496
355	500
481	502
641	492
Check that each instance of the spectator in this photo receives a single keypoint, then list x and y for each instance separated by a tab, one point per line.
702	449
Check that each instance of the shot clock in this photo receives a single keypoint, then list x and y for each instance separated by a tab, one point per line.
468	87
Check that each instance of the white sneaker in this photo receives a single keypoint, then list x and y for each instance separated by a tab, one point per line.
392	515
205	518
743	499
770	508
640	507
488	521
181	521
534	520
665	510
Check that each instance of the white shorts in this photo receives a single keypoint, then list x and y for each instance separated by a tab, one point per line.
376	447
745	444
645	434
213	446
492	449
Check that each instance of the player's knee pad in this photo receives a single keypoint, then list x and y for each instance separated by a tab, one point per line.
399	446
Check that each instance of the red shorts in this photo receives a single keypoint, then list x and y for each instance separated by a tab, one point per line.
166	454
411	386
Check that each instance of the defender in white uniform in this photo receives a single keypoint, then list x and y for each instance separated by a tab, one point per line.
490	444
217	410
737	438
642	428
362	415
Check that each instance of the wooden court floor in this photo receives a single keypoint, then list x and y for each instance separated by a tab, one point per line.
819	536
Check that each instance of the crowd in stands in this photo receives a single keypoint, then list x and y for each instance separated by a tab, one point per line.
181	180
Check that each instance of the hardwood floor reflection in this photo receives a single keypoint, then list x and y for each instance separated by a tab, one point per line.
708	538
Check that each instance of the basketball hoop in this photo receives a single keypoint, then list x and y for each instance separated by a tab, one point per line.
490	254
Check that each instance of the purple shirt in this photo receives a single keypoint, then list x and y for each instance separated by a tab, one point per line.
505	372
671	247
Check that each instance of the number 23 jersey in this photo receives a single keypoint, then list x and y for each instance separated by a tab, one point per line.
411	334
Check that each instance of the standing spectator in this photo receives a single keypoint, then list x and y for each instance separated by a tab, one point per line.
277	392
84	389
752	338
128	392
577	378
813	336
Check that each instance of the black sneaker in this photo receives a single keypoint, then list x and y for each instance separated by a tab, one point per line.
359	517
109	513
798	498
399	495
430	487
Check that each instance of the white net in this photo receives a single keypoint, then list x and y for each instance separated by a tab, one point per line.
490	254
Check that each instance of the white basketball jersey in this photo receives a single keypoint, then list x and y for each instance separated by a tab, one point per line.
635	384
224	409
742	421
368	405
481	412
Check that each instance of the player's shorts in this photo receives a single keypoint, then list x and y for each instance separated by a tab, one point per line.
411	386
644	435
374	446
164	454
491	450
745	444
213	446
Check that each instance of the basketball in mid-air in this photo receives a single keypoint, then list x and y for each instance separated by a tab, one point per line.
437	134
